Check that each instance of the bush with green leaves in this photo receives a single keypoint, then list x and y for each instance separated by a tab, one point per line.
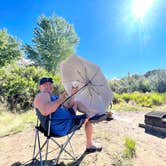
143	99
19	85
130	148
117	99
9	48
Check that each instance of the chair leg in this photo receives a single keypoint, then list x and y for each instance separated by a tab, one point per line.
35	154
46	150
62	148
68	141
72	149
34	148
41	161
37	141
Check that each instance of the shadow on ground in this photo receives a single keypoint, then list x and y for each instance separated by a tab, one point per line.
51	162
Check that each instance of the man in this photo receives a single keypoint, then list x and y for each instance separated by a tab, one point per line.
62	113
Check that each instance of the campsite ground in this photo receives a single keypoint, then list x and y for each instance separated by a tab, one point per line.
150	149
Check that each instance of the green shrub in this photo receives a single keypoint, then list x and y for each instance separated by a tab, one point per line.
142	99
117	99
19	85
130	149
126	97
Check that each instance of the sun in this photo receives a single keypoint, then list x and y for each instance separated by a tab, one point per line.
140	8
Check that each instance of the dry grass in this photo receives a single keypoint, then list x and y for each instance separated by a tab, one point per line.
12	123
150	150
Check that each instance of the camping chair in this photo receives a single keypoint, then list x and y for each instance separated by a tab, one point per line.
50	136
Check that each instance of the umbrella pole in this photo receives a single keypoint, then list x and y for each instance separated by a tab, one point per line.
75	93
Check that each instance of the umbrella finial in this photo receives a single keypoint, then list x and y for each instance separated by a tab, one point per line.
90	82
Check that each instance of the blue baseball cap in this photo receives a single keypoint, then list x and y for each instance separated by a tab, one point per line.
45	79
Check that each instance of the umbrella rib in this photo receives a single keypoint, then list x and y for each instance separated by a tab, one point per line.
86	78
80	75
94	75
67	81
80	81
91	100
95	90
86	74
98	85
90	91
90	103
73	80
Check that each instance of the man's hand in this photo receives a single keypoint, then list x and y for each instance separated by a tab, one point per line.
62	96
74	90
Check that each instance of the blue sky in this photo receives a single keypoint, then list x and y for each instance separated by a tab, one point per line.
110	34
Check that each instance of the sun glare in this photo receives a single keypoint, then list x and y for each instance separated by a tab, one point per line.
141	7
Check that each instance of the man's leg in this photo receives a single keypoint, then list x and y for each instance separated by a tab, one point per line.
90	145
88	126
81	108
88	131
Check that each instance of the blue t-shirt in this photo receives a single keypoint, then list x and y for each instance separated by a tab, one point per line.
63	120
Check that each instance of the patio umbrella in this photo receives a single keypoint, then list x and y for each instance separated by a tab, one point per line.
94	91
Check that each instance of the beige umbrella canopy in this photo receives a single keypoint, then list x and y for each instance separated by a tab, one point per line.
94	90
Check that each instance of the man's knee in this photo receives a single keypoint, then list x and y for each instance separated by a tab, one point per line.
77	103
82	108
78	106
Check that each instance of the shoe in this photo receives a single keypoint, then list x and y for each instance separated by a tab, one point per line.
98	118
93	149
109	116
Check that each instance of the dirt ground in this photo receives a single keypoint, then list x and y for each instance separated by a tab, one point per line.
150	149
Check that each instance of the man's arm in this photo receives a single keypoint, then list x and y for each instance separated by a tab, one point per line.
44	104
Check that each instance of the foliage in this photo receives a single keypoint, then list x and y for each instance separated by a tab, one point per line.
142	99
152	81
130	148
125	158
54	40
9	48
19	85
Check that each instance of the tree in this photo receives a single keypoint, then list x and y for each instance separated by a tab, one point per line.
54	40
9	48
151	81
